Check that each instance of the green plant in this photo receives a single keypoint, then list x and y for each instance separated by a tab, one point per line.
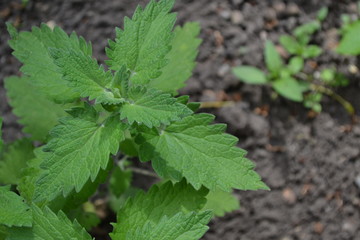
129	110
288	77
350	31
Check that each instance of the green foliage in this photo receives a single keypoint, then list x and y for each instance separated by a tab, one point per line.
37	113
181	59
221	202
250	74
164	210
47	225
201	153
14	159
288	76
1	140
81	114
272	59
13	210
349	44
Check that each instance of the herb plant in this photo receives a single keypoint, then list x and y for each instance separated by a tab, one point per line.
288	76
130	110
350	31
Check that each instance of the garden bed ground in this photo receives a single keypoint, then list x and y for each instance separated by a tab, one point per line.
311	164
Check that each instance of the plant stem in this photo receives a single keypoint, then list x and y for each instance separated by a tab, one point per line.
143	172
347	105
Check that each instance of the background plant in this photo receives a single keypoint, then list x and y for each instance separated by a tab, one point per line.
289	78
129	110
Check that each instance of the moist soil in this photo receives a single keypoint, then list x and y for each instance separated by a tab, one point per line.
311	163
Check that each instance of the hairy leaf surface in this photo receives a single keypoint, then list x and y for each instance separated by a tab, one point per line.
32	49
79	148
144	42
85	76
181	59
47	225
201	153
38	114
191	226
152	107
166	200
13	210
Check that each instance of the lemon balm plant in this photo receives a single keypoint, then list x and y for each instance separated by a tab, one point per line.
84	114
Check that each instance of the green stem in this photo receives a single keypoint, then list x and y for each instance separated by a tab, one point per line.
347	105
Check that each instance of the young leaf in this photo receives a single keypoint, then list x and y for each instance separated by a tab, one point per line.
322	13
166	200
349	44
181	59
13	210
79	148
144	42
311	51
290	44
201	153
32	49
289	88
296	64
120	181
191	226
304	32
85	76
272	58
251	75
14	160
151	107
221	202
37	113
47	225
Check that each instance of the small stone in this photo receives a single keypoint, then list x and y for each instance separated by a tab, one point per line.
318	228
226	14
293	9
51	24
223	70
270	15
289	195
237	17
357	181
279	7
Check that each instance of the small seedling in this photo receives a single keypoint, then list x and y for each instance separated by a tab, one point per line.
129	111
288	78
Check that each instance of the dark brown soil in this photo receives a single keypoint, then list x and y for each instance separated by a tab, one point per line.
311	164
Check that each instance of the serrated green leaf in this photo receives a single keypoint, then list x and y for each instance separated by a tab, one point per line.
32	49
349	44
152	107
251	75
79	148
221	202
144	42
14	160
289	88
181	59
296	64
182	226
37	113
201	153
13	210
85	76
49	226
272	58
290	44
303	33
166	200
